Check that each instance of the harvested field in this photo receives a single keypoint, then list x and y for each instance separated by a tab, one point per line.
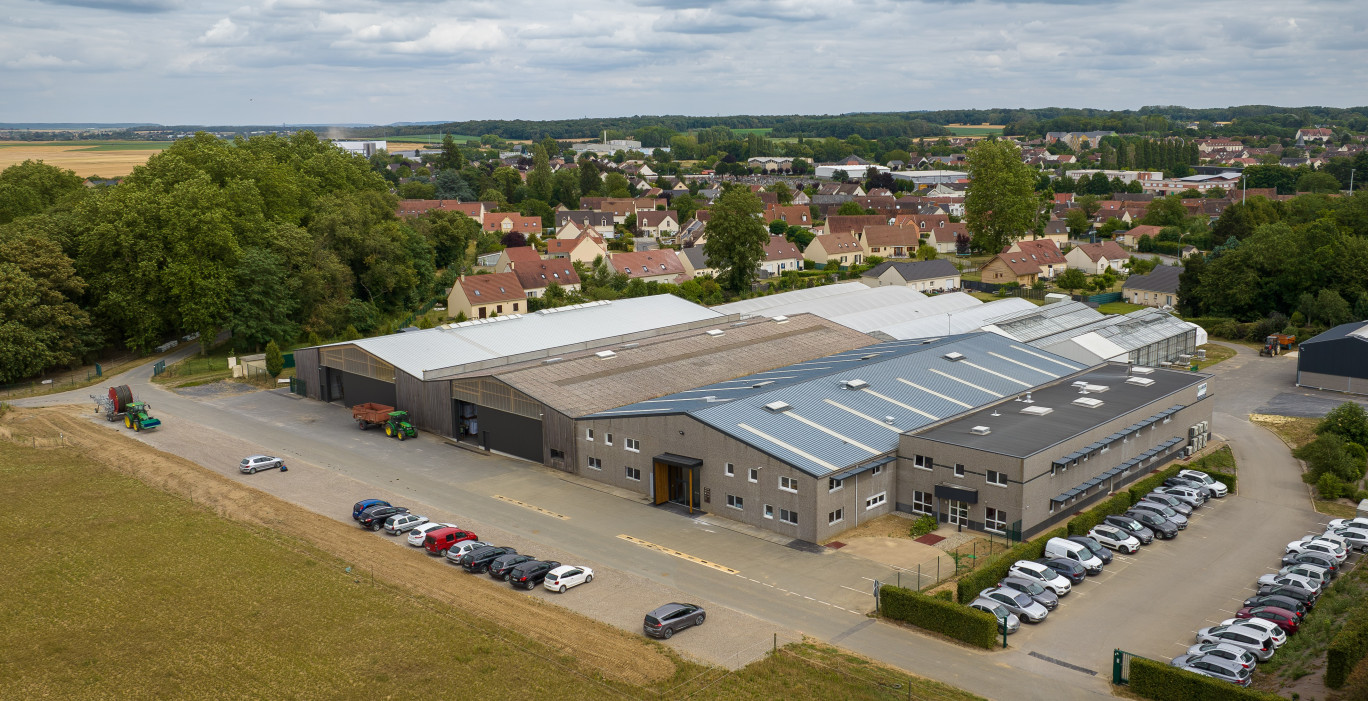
109	159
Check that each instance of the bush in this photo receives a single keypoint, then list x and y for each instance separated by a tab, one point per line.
944	594
937	615
1347	647
992	570
275	362
1330	486
1164	682
924	525
1117	504
1145	486
1356	686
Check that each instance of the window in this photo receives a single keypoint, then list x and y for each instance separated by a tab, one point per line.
769	511
588	434
754	474
498	309
557	454
959	470
634	474
632	444
921	503
789	517
836	516
998	478
731	470
1052	506
595	464
996	520
515	304
922	461
834	484
788	484
876	500
607	439
878	470
735	502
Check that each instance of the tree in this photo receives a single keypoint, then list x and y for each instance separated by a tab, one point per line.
1165	211
1090	204
777	227
33	186
1317	181
736	238
1077	222
414	190
685	206
275	362
565	188
1331	309
849	208
449	185
780	190
1349	421
41	325
513	239
926	252
840	175
590	179
1071	279
616	185
507	179
449	234
261	302
962	244
539	179
801	166
1001	205
451	158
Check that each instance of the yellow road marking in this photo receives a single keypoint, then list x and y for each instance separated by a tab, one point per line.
537	509
676	553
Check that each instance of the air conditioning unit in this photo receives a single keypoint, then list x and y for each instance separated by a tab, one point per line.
1192	431
980	430
855	384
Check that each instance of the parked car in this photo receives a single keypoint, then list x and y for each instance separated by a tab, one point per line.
1115	538
1161	526
1187	495
438	542
664	621
1321	560
1225	651
1216	667
500	566
1093	547
1360	522
1276	601
531	573
1170	501
1078	553
1007	621
1034	589
1037	572
1218	488
1283	579
375	516
1275	634
1312	544
1199	487
1306	598
1019	603
459	550
400	523
364	504
479	559
1161	511
252	463
1311	573
1347	538
1253	640
566	576
1132	526
1069	569
416	535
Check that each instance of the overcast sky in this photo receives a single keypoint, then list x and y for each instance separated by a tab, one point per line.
368	61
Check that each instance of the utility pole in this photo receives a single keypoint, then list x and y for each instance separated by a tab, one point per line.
1244	180
1351	181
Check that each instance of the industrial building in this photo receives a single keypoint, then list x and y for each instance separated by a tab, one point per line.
1335	360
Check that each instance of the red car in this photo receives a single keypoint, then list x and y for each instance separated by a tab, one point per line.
1284	619
438	542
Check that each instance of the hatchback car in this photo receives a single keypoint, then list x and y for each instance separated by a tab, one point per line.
1277	601
364	504
460	550
503	564
374	517
1114	538
1254	641
1163	511
251	464
439	541
1298	594
1276	634
400	523
1161	526
1046	576
1187	495
1314	544
415	536
1132	526
531	573
1170	501
1304	583
1199	487
566	576
1321	560
1007	621
1218	488
1033	589
1361	523
1224	651
1071	570
1215	667
664	621
1347	538
1093	547
1019	603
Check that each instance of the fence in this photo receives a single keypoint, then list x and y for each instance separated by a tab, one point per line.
1121	666
1104	298
55	383
953	562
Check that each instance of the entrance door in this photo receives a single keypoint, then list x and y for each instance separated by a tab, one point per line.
661	482
335	386
956	512
677	484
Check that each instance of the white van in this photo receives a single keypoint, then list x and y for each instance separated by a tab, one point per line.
1075	552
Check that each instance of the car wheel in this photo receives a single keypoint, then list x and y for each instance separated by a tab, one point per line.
589	579
698	620
531	585
251	470
561	590
669	633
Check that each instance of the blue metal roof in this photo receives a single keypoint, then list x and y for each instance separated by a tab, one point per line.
822	422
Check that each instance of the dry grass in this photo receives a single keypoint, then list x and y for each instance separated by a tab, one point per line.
887	526
108	162
1214	354
1295	431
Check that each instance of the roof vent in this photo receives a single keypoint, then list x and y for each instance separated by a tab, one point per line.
1079	383
778	407
889	420
1141	370
1095	388
762	383
780	319
738	323
855	384
980	430
1142	381
605	354
548	361
1036	410
952	356
715	332
627	346
1088	402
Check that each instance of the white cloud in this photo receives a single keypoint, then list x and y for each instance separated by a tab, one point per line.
36	61
224	33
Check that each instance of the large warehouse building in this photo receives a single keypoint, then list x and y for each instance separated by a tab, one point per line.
1336	359
796	424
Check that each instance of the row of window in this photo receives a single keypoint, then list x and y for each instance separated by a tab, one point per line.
924	462
739	503
993	519
631	444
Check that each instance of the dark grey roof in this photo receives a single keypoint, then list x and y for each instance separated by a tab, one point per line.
1164	278
916	270
1356	329
1022	435
696	257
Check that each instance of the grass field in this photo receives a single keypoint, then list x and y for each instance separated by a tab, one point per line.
110	159
1119	307
1214	354
426	138
234	593
974	129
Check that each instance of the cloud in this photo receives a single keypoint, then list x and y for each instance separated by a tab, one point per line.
224	33
133	6
35	61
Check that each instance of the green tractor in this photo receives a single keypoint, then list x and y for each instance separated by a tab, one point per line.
397	426
138	418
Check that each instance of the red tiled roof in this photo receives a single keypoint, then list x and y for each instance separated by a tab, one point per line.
647	263
534	276
497	287
1108	249
780	248
1040	251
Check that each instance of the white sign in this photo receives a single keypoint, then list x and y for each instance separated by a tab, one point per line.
1201	390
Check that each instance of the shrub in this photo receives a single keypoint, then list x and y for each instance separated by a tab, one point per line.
1117	504
275	362
1356	686
937	615
993	569
1164	682
1348	646
1330	486
1145	486
945	595
924	525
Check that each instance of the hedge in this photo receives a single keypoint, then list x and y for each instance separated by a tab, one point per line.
1348	646
1147	485
1223	478
937	615
1082	523
1164	682
992	570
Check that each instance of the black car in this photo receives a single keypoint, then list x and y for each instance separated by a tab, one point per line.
664	621
1131	526
364	504
1286	603
477	560
531	573
1093	547
374	517
503	564
1071	570
1313	558
1308	600
1161	526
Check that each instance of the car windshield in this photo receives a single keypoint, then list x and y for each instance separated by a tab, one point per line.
1022	600
1031	588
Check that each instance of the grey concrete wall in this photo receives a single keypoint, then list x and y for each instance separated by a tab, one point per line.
976	466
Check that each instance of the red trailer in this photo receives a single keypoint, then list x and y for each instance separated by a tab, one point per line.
371	414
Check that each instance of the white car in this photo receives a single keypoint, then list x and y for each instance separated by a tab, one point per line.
1294	580
416	535
1041	574
1218	489
1313	544
1114	538
1253	640
1360	523
1348	538
400	523
566	576
1268	628
252	463
460	549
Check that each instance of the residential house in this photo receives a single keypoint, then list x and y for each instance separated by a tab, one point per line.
692	233
853	223
1044	253
658	223
847	189
650	266
1321	135
1010	267
507	222
483	296
945	238
793	215
1056	230
891	241
600	222
780	255
536	275
696	263
842	249
937	275
1093	258
584	249
1132	237
1157	289
414	208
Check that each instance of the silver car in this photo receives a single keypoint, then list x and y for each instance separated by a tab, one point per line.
1349	537
1218	489
1187	495
1216	667
1292	580
1019	603
1254	641
1170	501
1229	652
1155	507
1033	589
1314	544
1005	618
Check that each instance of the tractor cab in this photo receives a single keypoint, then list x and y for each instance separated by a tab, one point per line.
139	417
398	426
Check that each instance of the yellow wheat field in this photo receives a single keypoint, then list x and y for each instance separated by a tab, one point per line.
109	159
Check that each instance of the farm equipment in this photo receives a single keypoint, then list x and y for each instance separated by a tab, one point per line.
395	422
138	418
119	402
1276	343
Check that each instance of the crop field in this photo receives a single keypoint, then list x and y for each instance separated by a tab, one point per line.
975	129
109	159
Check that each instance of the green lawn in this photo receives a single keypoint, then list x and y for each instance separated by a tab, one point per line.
974	131
1119	308
1214	354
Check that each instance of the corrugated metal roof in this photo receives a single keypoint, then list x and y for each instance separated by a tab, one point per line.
1040	322
855	305
962	320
